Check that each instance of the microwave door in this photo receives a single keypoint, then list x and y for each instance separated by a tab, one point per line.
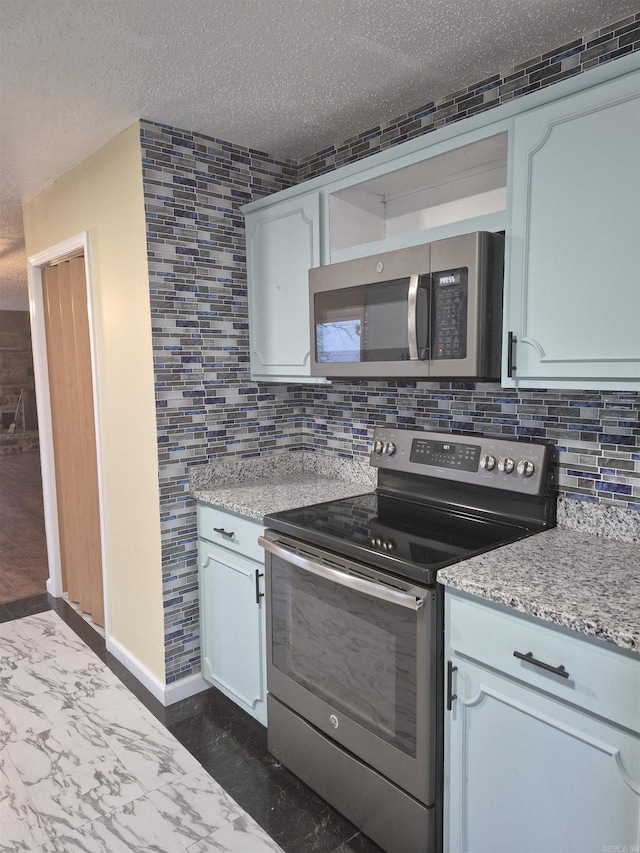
385	338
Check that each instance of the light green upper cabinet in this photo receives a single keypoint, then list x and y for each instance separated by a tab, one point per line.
283	243
572	288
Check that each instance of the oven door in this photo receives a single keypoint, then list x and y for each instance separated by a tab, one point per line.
355	653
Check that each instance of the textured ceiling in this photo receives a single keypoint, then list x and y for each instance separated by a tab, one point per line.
284	76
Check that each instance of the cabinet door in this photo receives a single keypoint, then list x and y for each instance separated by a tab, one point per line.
232	627
283	243
572	297
529	773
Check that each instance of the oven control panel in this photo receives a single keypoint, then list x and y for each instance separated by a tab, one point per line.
488	461
445	454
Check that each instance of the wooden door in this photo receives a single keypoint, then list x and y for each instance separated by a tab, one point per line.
74	443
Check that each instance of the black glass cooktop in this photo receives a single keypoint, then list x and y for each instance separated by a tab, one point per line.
407	538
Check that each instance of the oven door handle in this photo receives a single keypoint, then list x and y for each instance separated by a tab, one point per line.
395	596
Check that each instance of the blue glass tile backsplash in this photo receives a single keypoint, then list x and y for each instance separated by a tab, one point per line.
207	406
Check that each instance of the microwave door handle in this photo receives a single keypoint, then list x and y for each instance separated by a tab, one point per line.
412	317
337	576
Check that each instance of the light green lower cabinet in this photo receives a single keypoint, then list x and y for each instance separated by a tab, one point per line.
232	623
528	769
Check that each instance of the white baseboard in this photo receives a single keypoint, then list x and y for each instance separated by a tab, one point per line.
144	676
167	694
185	688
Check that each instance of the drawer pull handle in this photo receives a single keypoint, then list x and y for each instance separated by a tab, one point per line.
529	658
450	694
224	532
259	594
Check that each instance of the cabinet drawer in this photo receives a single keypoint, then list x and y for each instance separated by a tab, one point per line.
230	531
601	678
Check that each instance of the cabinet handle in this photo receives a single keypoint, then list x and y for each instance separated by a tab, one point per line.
450	694
511	361
224	532
529	658
259	594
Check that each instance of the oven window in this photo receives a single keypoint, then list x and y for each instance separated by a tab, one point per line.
355	652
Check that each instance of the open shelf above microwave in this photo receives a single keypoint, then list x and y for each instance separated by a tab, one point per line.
461	184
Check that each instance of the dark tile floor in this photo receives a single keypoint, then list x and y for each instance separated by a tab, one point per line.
233	749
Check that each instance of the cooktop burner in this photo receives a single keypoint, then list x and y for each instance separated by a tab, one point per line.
405	538
440	499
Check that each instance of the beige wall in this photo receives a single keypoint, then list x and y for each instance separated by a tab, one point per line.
104	196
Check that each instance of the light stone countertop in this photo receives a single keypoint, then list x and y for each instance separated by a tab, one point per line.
257	487
260	497
580	581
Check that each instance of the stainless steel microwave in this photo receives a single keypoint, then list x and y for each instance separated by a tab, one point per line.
430	311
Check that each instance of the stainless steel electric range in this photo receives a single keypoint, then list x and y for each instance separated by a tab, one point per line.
355	620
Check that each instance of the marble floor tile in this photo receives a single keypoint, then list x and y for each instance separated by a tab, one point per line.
197	803
24	714
149	752
25	673
15	644
21	828
139	825
58	750
88	682
67	801
88	764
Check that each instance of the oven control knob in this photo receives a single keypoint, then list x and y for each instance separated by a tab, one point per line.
488	462
506	465
377	447
378	542
525	468
389	448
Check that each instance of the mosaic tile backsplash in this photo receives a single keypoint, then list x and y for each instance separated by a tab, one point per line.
207	406
597	434
205	402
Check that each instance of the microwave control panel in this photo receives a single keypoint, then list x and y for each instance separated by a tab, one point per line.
449	314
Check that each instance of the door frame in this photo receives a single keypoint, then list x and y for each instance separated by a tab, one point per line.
79	244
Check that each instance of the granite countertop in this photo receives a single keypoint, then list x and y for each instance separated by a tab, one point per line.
259	497
568	576
260	486
578	580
